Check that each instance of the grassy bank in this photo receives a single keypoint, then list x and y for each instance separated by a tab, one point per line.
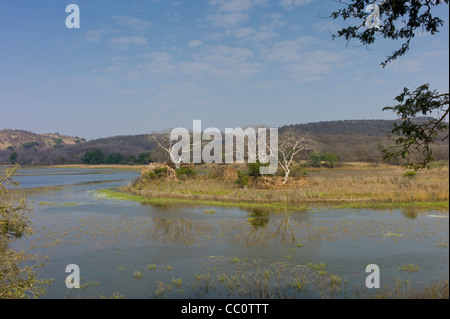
358	186
170	201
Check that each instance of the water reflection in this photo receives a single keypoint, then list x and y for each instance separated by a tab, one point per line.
129	236
410	213
175	230
285	231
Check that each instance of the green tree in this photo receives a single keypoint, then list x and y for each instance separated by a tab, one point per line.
330	159
16	281
144	158
402	20
131	160
94	158
13	158
315	159
114	158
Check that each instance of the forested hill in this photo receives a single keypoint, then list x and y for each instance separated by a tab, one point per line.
348	127
358	140
351	140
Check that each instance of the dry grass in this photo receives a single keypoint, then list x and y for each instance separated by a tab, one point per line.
356	183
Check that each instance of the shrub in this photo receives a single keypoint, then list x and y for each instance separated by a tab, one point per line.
58	143
29	145
242	181
410	174
253	168
187	171
161	170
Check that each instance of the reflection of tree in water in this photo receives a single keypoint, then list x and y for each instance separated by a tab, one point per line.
409	212
259	222
176	230
285	231
260	231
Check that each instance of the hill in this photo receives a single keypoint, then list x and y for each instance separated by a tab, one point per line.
351	140
16	140
358	140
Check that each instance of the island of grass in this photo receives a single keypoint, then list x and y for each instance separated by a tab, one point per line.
351	185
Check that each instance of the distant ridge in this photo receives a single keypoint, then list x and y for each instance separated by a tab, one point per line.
21	140
350	140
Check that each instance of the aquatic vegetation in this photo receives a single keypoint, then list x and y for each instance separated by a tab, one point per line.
121	269
151	267
85	285
177	282
318	266
138	275
392	234
409	268
116	295
298	284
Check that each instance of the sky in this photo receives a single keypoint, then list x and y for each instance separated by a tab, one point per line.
139	66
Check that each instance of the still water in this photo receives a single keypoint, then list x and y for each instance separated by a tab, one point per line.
138	251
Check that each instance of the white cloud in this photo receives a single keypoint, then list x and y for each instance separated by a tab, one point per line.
194	44
229	6
133	23
232	13
94	36
291	4
288	51
158	64
243	32
228	20
126	42
302	60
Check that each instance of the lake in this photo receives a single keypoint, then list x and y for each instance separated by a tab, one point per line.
139	251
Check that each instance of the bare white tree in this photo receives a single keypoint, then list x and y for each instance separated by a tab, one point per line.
291	142
162	139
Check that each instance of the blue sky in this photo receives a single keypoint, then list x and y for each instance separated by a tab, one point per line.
139	66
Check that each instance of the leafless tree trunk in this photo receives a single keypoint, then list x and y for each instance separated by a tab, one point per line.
290	143
165	144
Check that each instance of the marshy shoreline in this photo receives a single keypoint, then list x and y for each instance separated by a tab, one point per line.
353	186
